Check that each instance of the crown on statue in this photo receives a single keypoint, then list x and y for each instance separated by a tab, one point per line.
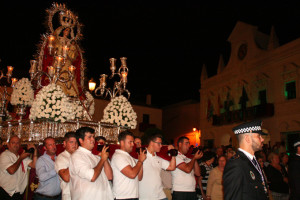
67	19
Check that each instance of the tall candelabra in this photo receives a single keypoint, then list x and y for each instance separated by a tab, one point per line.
4	93
119	86
55	73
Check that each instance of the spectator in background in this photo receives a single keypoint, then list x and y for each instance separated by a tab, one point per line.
219	152
284	159
205	167
229	154
137	141
100	139
281	148
62	163
263	155
275	148
294	173
215	181
278	178
260	161
49	184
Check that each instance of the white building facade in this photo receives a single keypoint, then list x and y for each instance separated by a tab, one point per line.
260	81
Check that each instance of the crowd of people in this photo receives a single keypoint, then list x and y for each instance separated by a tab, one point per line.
78	173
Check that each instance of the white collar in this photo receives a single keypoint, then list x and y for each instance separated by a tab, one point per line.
122	151
66	152
179	153
150	154
249	155
84	150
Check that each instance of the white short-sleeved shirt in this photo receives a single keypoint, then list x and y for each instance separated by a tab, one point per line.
16	182
123	187
150	187
182	181
63	162
81	170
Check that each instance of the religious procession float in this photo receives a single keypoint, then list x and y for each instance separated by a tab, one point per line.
55	99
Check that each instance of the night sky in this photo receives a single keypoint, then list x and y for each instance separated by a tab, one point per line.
165	42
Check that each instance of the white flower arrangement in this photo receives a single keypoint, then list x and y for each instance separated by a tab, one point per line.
51	103
77	109
22	93
120	112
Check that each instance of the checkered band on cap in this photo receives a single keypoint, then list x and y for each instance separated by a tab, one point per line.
247	130
297	144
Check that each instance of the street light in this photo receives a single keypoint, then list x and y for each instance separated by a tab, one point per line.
92	85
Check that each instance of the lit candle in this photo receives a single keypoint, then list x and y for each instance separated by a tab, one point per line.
51	39
59	61
65	51
72	69
13	82
51	71
124	76
9	70
33	64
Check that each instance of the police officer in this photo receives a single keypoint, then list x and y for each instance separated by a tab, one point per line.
243	179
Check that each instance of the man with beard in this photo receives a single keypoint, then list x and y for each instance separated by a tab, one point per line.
243	178
127	172
183	177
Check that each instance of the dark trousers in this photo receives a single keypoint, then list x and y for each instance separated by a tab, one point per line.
184	195
38	196
5	196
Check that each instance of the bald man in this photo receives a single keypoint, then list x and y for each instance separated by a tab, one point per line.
13	169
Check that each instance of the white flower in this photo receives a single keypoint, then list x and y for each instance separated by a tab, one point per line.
22	93
120	112
51	103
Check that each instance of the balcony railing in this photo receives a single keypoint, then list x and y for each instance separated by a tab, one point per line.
250	113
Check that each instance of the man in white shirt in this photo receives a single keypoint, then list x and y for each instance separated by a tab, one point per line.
183	177
13	169
127	172
89	173
150	187
62	163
